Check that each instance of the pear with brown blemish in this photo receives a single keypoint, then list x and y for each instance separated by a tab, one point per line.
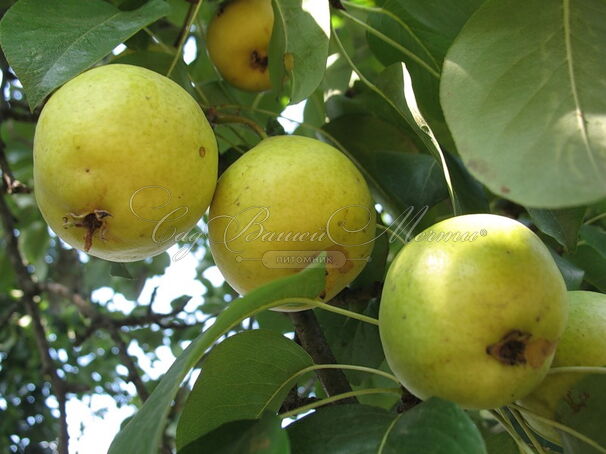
238	38
583	345
283	203
472	311
124	162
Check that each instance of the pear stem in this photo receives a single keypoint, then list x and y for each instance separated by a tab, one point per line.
562	427
328	400
504	421
226	119
194	7
529	433
330	308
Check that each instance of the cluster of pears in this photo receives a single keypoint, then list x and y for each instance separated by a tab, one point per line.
475	310
125	164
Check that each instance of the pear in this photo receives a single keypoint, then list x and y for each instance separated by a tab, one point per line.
283	203
124	162
583	344
472	311
238	39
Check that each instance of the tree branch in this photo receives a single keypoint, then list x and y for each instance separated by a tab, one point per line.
9	111
10	184
26	282
215	118
88	310
314	342
133	373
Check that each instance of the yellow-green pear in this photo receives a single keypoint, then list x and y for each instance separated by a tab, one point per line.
283	203
583	344
472	310
124	162
238	38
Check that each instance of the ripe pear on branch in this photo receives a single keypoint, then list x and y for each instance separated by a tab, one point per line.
124	162
472	311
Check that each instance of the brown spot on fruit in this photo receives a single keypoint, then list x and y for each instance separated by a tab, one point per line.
538	350
516	348
511	349
339	258
91	222
505	190
258	61
202	151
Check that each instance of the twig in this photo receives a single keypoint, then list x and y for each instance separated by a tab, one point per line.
26	117
8	314
194	7
314	342
88	310
294	400
133	373
9	184
216	118
349	297
99	320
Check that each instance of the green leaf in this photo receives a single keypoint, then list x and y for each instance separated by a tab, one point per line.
470	193
278	322
151	418
593	263
180	302
523	100
260	436
299	47
584	410
427	29
7	277
340	429
34	241
562	225
48	42
595	237
202	69
158	62
314	115
572	274
374	271
120	270
353	341
431	25
362	100
243	376
400	179
396	86
501	443
435	426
